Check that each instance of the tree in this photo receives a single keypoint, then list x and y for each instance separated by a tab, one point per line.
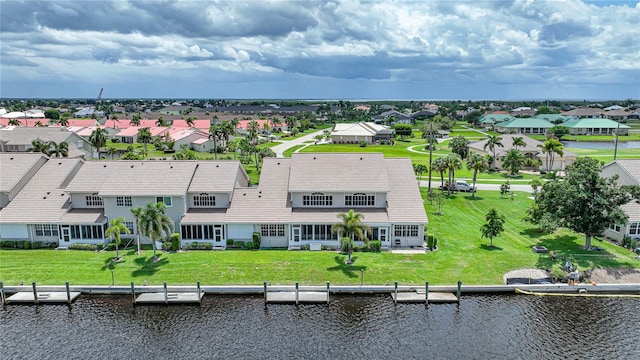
459	145
38	145
137	214
253	129
492	142
144	136
112	151
402	130
583	201
59	150
454	162
52	114
550	148
545	110
115	229
154	223
98	139
63	122
477	163
518	141
161	122
14	122
420	169
440	165
493	227
350	227
190	120
535	184
513	161
429	133
135	120
291	122
473	117
505	188
558	131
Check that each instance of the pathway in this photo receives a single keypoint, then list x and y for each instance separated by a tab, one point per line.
288	144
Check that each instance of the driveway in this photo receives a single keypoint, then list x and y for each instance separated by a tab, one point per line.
288	144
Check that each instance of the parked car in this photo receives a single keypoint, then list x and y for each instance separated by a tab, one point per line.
460	185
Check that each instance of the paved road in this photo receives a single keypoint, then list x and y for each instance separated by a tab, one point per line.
280	149
514	187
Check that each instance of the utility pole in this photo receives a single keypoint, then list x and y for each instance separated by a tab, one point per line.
615	141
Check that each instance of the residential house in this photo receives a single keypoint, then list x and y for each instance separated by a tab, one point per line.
584	112
17	169
533	126
354	133
532	150
628	172
595	126
18	139
394	116
130	134
489	120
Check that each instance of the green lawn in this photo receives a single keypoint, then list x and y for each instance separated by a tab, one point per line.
462	255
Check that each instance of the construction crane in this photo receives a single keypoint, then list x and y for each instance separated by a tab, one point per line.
98	99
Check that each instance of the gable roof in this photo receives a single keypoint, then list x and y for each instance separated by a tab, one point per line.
494	118
526	123
14	166
217	176
25	135
594	123
358	129
630	166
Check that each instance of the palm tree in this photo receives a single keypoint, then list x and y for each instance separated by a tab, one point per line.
291	122
440	165
518	141
63	121
454	162
115	229
351	226
59	150
137	214
14	122
253	128
135	121
477	163
144	136
155	223
551	147
419	169
98	139
112	151
190	120
513	160
492	142
429	133
40	124
161	122
39	146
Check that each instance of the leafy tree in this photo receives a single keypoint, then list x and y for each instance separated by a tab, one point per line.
402	130
154	223
459	145
112	151
115	229
161	122
135	120
477	163
584	201
550	148
545	110
505	188
38	145
513	161
473	117
351	226
98	139
253	129
493	142
63	122
493	227
52	114
440	165
429	133
535	184
558	131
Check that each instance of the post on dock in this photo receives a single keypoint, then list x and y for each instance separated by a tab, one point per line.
2	293
133	293
35	292
426	292
395	298
327	292
199	298
264	290
297	299
166	294
459	290
66	285
361	277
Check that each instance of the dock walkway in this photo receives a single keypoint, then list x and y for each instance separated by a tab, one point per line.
43	298
171	298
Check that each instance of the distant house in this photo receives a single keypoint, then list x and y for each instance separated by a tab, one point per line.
130	134
532	150
354	133
18	139
584	112
396	116
489	120
177	110
88	112
628	172
534	126
595	126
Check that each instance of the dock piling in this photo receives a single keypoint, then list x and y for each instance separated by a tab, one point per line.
66	285
265	292
297	295
426	292
458	293
133	293
2	293
166	294
395	298
35	292
327	292
361	277
199	297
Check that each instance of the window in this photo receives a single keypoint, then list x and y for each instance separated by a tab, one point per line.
317	233
87	231
272	230
80	144
46	230
406	230
615	227
634	228
317	199
204	200
359	199
129	225
123	201
192	232
94	200
164	199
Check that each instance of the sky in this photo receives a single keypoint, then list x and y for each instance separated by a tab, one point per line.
466	50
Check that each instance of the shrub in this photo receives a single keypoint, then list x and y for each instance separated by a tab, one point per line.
432	242
229	242
359	248
363	144
256	240
87	247
305	247
167	246
238	244
326	247
9	244
175	242
375	245
37	245
111	246
26	244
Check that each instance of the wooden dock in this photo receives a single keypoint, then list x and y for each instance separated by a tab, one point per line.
420	297
304	297
53	297
170	298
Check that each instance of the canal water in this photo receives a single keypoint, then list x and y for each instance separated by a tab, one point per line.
601	144
369	327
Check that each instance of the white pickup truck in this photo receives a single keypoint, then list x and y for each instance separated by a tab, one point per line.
460	185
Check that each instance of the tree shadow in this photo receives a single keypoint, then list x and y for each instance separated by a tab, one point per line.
470	198
351	271
147	266
533	233
109	264
489	247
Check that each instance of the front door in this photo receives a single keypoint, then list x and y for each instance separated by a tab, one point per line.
296	234
382	234
217	234
66	233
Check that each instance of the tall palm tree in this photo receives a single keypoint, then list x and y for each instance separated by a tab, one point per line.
291	122
161	122
59	150
518	141
112	151
14	122
440	165
253	128
513	160
492	142
115	229
429	133
155	223
190	120
137	214
135	120
477	163
63	121
98	139
144	136
454	162
550	148
350	227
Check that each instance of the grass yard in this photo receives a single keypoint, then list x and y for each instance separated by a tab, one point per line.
462	255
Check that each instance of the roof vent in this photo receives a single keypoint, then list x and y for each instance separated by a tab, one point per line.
278	163
171	167
314	158
11	158
217	165
244	194
44	197
48	192
60	163
132	166
105	165
360	158
259	196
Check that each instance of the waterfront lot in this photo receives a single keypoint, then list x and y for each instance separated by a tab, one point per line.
461	255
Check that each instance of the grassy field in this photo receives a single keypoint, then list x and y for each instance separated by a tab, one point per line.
461	255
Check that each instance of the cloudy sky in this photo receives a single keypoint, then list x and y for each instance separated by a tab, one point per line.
521	49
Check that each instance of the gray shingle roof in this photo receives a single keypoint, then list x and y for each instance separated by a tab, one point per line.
14	166
218	176
404	202
22	135
149	178
632	167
